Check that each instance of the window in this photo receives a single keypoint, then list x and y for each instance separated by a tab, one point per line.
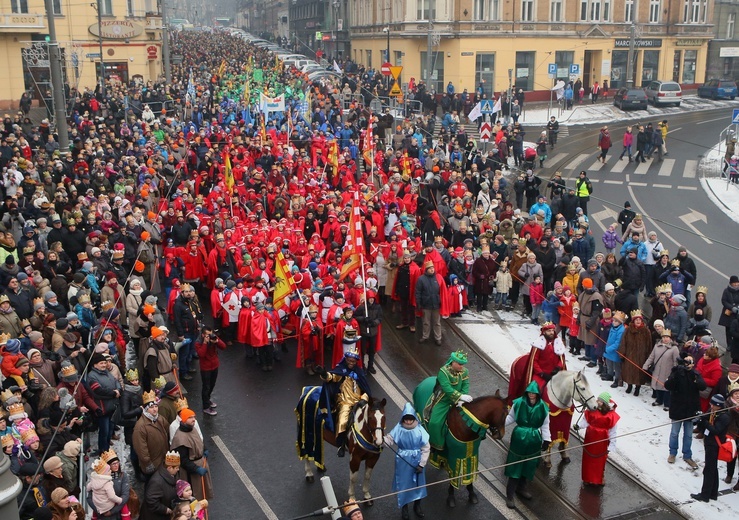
555	13
563	60
494	10
730	19
527	10
695	11
129	8
650	66
425	8
654	9
483	10
436	81
629	12
619	68
19	6
595	10
478	10
57	6
485	72
106	7
676	60
690	57
525	70
369	59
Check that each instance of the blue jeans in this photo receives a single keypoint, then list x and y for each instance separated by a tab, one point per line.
105	432
687	426
185	354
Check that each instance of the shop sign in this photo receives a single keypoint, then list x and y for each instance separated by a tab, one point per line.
116	29
639	43
689	42
152	51
728	52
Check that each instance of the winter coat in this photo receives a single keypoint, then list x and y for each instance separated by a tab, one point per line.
503	281
729	300
370	320
536	293
591	303
634	273
612	272
482	271
527	273
613	343
160	493
684	385
151	442
710	370
636	344
428	292
131	403
611	239
677	321
103	493
103	386
664	357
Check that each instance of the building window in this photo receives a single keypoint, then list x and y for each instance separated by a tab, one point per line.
527	10
485	72
19	6
129	8
595	10
629	11
730	19
525	70
555	13
695	11
398	57
57	6
425	8
619	68
483	10
478	10
436	81
494	10
650	66
369	58
106	7
654	9
690	57
563	60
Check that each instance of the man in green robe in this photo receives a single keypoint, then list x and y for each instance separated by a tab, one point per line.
452	387
529	438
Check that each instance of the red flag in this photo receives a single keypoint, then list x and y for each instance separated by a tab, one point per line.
354	247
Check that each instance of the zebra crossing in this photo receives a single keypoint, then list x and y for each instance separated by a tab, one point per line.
669	170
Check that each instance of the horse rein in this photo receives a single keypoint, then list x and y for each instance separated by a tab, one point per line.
575	390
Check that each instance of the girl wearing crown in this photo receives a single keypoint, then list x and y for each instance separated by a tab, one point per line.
101	487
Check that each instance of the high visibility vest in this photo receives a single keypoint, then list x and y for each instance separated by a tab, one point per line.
582	189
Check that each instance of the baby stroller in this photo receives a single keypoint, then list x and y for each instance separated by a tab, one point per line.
529	159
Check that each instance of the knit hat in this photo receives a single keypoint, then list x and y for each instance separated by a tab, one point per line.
59	493
587	283
51	464
62	323
171	388
609	287
32	352
21	277
734	279
181	486
658	322
87	266
21	360
13	346
734	367
72	449
605	397
185	414
718	400
71	316
49	295
97	357
156	332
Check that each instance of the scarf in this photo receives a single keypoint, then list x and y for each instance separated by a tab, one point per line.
152	418
135	292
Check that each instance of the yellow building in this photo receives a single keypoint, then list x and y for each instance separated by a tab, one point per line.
131	39
519	42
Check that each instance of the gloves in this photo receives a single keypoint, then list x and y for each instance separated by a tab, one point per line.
205	453
173	356
361	403
201	471
466	398
545	445
419	469
545	376
318	369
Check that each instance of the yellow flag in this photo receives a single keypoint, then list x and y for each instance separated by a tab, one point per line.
228	176
247	92
284	282
222	68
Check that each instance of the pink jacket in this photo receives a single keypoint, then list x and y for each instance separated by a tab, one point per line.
628	138
103	494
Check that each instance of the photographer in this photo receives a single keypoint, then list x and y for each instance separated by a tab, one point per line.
715	425
207	348
684	385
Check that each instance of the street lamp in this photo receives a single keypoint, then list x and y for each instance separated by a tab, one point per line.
387	31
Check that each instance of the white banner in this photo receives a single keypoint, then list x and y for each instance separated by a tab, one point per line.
271	104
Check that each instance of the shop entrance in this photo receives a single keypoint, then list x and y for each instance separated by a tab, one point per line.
591	69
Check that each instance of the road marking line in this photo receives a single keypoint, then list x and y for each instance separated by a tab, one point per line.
642	168
691	167
711	120
597	165
619	167
642	184
578	160
557	158
666	169
689	188
245	479
594	180
675	129
609	181
667	186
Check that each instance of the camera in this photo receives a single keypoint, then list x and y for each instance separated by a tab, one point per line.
212	337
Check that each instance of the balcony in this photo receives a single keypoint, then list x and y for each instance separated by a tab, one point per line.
22	23
153	22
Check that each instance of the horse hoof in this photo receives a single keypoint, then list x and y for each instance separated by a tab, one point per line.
566	460
310	479
451	501
473	498
369	502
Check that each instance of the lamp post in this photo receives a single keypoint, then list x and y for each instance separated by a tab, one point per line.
386	30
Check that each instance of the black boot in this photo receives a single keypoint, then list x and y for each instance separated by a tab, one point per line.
510	491
628	389
404	512
471	495
601	369
417	509
523	489
636	390
450	500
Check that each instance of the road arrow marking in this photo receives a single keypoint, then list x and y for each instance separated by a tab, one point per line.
609	215
695	216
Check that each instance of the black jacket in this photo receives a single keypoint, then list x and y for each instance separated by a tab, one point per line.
428	292
684	386
370	320
185	323
160	493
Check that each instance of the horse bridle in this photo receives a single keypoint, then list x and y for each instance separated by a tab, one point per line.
575	390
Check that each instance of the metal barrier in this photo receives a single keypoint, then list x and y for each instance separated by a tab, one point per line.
82	474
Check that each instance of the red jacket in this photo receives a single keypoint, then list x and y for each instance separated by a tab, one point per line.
208	353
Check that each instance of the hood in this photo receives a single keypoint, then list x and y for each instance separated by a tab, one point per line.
408	410
98	481
533	388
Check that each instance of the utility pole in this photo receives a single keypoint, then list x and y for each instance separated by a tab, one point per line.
165	44
57	82
632	55
100	46
429	50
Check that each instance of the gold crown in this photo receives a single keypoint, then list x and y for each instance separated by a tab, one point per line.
16	409
5	395
172	458
733	387
636	314
675	263
185	287
99	466
619	315
664	252
180	404
27	250
548	325
83	298
7	441
37	301
159	383
107	456
664	288
149	397
68	370
27	435
701	289
4	338
667	332
132	374
107	305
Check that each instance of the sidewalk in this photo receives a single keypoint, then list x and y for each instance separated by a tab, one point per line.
503	336
722	193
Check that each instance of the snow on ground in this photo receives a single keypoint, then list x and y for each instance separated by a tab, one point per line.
721	193
605	112
506	336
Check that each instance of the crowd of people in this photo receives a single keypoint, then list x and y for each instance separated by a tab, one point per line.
129	261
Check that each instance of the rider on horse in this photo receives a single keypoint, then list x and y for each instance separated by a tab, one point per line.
547	357
452	387
345	386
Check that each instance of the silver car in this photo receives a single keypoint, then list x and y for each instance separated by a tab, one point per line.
664	93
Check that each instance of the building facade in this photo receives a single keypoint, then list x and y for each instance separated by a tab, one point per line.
130	31
723	50
530	44
317	25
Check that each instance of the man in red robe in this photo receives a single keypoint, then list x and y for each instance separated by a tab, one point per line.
346	321
310	341
547	357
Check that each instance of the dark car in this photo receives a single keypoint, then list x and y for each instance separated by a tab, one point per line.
718	88
627	98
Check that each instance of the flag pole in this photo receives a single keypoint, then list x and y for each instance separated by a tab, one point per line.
364	285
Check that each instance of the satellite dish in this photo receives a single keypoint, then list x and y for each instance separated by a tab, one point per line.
560	85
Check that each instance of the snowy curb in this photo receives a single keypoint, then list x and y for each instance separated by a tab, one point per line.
721	193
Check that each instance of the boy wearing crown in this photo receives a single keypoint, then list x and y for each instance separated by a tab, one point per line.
161	491
345	386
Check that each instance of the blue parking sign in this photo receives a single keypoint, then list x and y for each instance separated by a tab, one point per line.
575	68
553	69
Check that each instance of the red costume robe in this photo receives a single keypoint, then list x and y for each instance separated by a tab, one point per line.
595	455
310	346
338	353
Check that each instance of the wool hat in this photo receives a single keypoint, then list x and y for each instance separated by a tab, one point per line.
734	279
13	346
97	357
156	332
62	323
734	367
21	277
87	266
59	493
587	283
29	469
49	295
50	465
171	388
32	352
72	449
185	414
21	360
658	322
718	400
609	287
605	397
181	486
71	316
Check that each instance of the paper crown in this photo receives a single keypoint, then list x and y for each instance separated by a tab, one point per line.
159	383
68	370
99	466
172	458
701	289
349	508
4	338
149	397
83	298
107	305
7	441
667	332
664	252
132	374
108	456
675	263
664	288
180	404
428	264
29	250
620	316
38	301
16	409
28	436
185	287
548	325
636	313
733	387
6	395
313	308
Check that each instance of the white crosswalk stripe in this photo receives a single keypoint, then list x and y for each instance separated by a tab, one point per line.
556	158
642	168
619	166
596	166
666	168
574	165
691	167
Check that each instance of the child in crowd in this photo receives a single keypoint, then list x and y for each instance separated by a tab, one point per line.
574	329
184	495
503	284
550	305
536	294
101	485
603	328
611	239
565	310
457	297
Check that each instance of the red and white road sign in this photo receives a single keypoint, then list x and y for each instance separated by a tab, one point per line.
486	131
385	69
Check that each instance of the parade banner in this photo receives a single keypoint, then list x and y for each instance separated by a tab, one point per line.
258	75
284	282
271	104
354	247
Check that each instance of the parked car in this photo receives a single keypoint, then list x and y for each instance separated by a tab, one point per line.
718	88
664	92
626	98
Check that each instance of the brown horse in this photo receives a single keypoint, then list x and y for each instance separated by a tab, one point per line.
467	425
364	442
